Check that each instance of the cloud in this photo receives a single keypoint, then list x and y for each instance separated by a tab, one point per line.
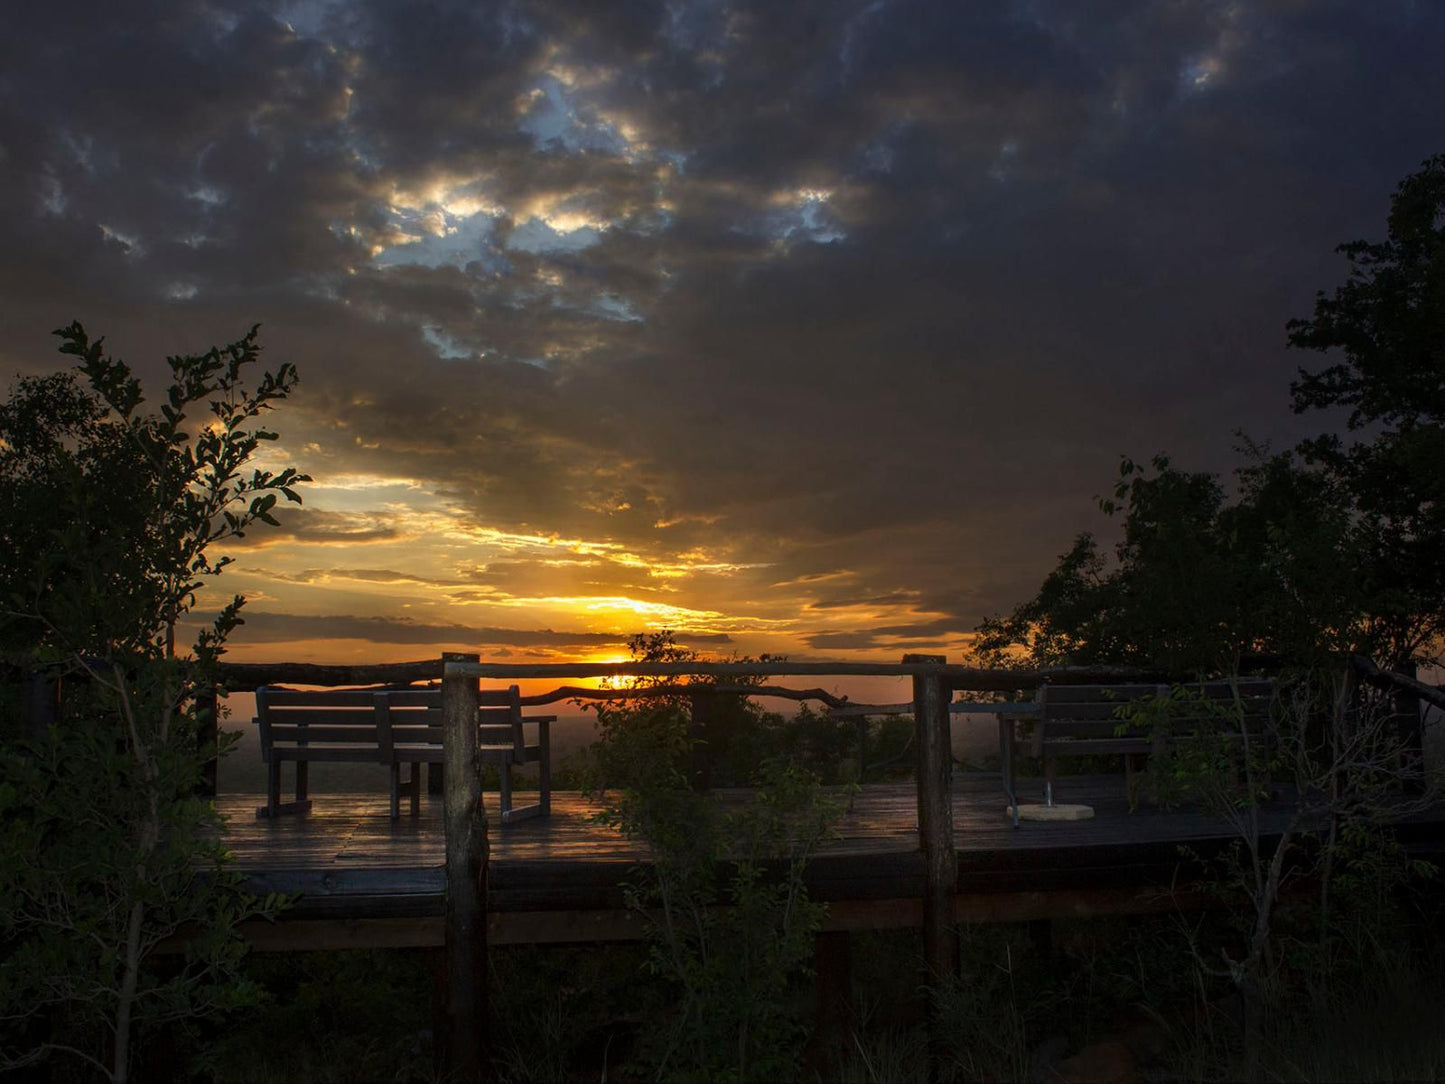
325	527
363	575
883	287
274	627
892	598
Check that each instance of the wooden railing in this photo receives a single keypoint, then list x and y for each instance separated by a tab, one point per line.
934	683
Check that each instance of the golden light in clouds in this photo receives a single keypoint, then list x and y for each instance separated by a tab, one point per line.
389	547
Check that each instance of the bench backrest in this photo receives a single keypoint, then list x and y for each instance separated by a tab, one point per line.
1091	711
415	717
370	719
336	718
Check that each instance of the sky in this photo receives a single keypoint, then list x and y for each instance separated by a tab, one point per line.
811	328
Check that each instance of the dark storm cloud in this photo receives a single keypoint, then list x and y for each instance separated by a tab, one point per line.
262	627
365	575
265	627
883	287
326	527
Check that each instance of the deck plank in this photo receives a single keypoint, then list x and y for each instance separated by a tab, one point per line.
348	859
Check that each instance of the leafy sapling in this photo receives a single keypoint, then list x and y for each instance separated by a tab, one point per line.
109	515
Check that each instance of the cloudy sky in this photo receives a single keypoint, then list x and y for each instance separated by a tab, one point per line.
808	327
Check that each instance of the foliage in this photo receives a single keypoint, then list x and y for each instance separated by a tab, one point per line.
1198	582
648	737
110	513
331	1016
1344	781
1205	748
1343	551
729	920
569	1012
1388	320
1336	548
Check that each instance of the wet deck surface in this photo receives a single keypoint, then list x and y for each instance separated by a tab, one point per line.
355	831
347	858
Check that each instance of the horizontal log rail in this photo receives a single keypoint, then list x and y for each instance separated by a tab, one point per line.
1375	675
249	676
955	707
583	692
959	677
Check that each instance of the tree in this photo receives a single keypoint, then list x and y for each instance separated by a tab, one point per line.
1199	581
730	967
1309	562
1388	321
108	516
1343	551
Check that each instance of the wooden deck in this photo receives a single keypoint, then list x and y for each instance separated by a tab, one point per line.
362	878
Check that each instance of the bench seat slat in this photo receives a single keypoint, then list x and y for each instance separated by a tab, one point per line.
1118	694
334	754
322	716
315	734
1109	728
329	698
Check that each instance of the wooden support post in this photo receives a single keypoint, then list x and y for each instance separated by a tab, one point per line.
1410	729
208	708
42	705
931	694
437	961
466	908
833	1015
699	734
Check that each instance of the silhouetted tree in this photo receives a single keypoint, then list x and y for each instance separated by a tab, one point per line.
108	513
1343	551
1388	321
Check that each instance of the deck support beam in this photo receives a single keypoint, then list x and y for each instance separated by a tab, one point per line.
935	819
931	693
466	902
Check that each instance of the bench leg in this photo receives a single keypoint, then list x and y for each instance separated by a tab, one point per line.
395	791
273	787
274	807
1048	780
301	772
504	772
544	770
415	787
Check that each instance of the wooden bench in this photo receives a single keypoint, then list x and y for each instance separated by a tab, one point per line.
1085	720
392	727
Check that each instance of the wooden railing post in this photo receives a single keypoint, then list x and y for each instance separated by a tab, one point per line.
699	736
466	850
931	694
